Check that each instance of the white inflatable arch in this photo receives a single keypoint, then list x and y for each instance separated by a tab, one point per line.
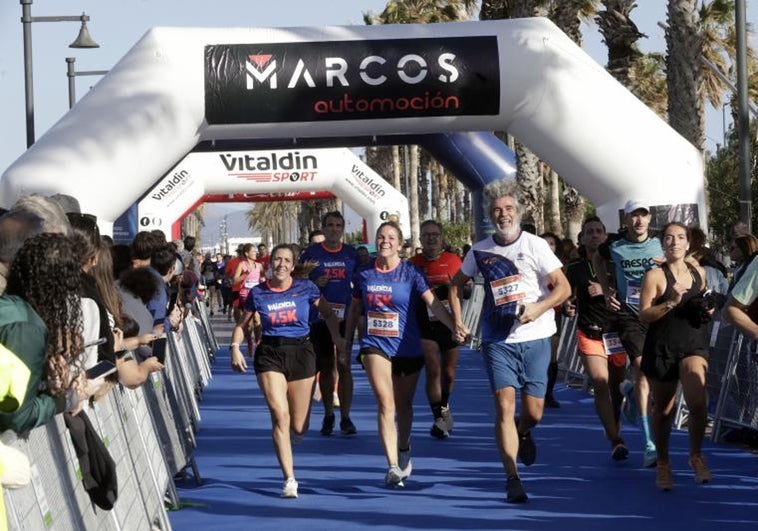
286	174
180	86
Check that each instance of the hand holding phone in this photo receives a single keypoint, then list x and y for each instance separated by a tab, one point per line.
159	349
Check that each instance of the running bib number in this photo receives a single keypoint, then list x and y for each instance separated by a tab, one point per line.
250	283
338	310
430	313
633	290
613	345
505	290
386	324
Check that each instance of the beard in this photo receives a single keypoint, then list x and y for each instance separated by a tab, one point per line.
510	232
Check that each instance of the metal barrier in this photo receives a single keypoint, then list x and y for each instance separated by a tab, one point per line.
149	432
731	384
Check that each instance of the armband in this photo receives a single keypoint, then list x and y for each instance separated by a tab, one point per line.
234	345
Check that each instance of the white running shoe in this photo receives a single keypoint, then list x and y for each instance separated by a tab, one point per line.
404	463
394	477
447	416
289	489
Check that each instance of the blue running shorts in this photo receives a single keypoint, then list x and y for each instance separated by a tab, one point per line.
519	365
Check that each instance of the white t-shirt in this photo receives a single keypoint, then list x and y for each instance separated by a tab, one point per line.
534	260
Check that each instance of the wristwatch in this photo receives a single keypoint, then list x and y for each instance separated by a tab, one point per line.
669	305
231	346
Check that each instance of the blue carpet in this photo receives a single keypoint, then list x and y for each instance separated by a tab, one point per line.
457	483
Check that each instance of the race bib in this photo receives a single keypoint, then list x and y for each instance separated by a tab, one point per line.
633	290
612	344
430	313
505	290
386	324
251	283
338	310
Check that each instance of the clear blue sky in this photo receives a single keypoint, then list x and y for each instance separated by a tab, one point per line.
117	24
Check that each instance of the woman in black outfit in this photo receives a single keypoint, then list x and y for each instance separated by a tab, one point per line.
676	349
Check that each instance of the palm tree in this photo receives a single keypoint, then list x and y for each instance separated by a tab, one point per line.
620	35
684	46
275	221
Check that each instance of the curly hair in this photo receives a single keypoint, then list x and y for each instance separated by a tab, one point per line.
46	273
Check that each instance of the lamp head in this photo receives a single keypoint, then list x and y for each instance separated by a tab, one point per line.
84	39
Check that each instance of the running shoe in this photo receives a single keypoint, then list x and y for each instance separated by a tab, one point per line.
289	490
620	452
439	429
316	393
664	479
551	402
447	416
335	400
629	404
702	474
650	455
394	477
527	450
514	491
404	463
347	428
327	426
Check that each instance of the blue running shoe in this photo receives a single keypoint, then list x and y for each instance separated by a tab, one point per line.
651	455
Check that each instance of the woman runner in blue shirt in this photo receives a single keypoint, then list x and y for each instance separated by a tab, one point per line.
390	348
284	363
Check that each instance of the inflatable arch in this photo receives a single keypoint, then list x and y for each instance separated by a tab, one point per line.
180	86
285	174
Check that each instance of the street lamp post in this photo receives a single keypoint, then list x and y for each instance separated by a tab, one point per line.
71	73
83	40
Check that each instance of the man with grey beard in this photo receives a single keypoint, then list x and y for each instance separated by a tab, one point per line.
523	282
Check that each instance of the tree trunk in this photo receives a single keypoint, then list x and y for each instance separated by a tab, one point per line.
554	189
396	168
413	185
684	74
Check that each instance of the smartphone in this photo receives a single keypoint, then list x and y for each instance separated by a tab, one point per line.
98	341
101	370
159	349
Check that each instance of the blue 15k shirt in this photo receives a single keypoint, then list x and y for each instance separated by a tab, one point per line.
284	313
389	304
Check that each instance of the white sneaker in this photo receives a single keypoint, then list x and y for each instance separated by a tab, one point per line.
289	490
447	416
394	477
404	463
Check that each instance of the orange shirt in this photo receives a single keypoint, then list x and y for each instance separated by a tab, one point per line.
440	271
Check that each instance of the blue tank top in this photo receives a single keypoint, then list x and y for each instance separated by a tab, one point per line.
630	261
390	299
284	313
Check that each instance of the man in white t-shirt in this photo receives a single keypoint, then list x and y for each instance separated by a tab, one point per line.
523	282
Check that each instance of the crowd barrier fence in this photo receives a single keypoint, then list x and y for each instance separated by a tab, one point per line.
148	431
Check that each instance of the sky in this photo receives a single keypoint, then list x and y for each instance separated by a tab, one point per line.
118	24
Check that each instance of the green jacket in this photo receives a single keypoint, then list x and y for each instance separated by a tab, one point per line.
23	332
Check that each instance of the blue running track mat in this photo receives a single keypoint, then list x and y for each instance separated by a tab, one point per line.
457	483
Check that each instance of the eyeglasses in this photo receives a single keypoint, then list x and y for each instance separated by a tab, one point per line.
431	235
